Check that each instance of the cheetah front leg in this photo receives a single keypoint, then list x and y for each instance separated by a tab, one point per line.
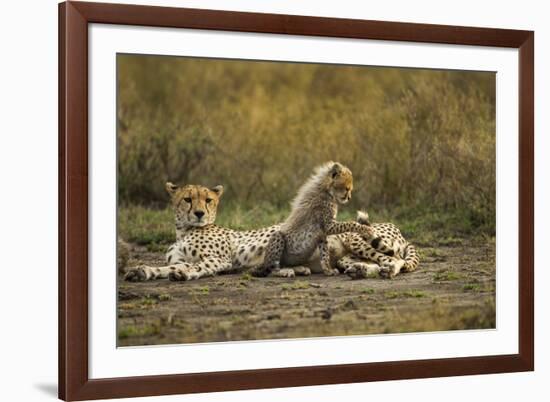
324	256
283	273
143	273
273	254
302	271
208	266
291	272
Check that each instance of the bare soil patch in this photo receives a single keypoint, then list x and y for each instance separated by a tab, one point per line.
453	289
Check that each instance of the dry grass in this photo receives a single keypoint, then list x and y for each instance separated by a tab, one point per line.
423	139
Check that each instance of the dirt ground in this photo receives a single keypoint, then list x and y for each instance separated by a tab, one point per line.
453	288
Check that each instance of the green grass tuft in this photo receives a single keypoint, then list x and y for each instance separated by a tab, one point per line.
297	285
134	331
155	228
246	276
471	287
368	291
447	276
405	294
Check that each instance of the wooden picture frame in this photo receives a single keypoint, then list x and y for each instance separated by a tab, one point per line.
74	381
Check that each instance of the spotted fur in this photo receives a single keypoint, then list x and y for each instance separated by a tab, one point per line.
203	248
362	260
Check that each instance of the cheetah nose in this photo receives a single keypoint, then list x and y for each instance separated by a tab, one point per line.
199	214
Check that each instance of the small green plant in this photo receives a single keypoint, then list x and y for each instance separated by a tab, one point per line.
368	291
156	247
432	252
471	287
414	293
447	276
164	297
450	241
199	291
148	302
246	276
296	285
405	294
133	331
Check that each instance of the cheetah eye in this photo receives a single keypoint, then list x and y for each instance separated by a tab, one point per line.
187	199
208	200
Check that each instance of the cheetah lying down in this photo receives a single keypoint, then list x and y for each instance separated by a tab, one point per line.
205	249
362	260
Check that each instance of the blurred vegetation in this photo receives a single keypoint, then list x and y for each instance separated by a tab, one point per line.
420	143
155	228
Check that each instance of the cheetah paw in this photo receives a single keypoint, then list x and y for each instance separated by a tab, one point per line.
387	272
284	273
390	270
260	272
302	271
355	273
182	274
331	272
140	273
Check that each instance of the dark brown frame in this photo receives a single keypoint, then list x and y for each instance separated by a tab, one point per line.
74	18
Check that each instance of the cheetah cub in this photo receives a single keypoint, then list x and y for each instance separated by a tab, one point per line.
311	220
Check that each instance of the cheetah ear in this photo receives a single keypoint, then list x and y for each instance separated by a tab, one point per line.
218	190
170	188
335	170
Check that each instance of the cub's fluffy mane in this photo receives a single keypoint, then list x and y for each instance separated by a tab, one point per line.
313	187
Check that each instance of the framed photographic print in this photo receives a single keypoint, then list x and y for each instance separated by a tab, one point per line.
258	200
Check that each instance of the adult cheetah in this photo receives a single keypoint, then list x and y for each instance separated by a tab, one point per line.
203	248
358	259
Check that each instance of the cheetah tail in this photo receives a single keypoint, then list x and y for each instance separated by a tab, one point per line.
363	218
377	243
412	259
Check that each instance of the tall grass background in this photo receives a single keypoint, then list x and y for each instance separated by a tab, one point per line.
420	143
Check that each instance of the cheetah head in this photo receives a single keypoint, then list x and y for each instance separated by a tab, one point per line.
340	183
194	205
